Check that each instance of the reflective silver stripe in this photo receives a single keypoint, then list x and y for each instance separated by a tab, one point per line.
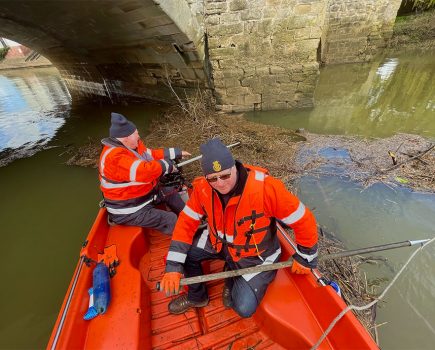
203	239
269	260
149	152
166	165
177	257
171	153
307	257
129	210
133	169
103	159
227	238
296	215
192	214
259	175
110	185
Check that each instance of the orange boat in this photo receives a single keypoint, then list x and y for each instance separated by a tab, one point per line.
294	313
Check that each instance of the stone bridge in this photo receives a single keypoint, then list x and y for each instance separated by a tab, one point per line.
253	54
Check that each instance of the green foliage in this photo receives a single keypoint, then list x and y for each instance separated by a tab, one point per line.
422	4
3	52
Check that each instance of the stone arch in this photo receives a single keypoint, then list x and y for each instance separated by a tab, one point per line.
115	48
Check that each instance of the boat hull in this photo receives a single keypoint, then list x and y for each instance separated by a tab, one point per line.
293	314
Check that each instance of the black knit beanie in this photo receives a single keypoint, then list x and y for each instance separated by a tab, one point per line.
215	157
121	127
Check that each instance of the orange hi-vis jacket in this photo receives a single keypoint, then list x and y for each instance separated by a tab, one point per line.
128	178
247	225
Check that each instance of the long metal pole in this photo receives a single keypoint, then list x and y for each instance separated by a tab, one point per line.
288	263
65	310
191	160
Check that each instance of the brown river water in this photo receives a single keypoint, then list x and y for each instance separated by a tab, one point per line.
47	207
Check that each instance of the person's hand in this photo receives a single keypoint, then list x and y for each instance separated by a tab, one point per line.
299	268
174	168
304	259
185	154
170	283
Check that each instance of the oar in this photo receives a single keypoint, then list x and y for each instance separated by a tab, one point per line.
200	156
288	263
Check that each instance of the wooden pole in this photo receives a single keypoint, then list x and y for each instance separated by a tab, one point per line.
288	263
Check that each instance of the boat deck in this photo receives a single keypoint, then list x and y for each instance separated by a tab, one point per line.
211	327
294	312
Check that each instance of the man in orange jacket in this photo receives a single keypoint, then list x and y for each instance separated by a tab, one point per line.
129	179
242	204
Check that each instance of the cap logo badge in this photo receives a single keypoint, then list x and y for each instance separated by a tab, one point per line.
217	166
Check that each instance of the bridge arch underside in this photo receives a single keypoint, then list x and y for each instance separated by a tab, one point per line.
115	49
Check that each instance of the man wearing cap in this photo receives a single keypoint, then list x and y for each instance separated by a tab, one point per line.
129	179
242	204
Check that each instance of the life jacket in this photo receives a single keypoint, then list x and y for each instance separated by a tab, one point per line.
242	225
130	195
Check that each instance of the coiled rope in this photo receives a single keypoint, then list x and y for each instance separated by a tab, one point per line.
369	305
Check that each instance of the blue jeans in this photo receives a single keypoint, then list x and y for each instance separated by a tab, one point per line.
246	295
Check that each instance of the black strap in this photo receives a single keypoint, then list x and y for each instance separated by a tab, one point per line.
252	217
239	247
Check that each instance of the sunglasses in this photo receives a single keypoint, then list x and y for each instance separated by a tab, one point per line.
222	177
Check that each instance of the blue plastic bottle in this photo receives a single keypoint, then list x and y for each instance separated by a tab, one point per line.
336	287
101	288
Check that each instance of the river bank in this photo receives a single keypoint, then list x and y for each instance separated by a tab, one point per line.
20	63
415	31
400	160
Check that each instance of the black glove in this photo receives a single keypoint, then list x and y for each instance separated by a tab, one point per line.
306	256
174	168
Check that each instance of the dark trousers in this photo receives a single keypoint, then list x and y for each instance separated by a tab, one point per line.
152	217
246	295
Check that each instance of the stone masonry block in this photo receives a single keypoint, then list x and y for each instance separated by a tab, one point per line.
253	14
283	78
220	53
248	82
269	12
302	33
218	83
227	29
149	80
231	83
220	6
262	71
212	20
251	99
237	5
228	63
237	91
302	9
268	80
276	70
248	71
229	18
233	99
233	73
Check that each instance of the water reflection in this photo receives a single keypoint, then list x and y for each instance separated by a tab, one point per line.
33	106
378	99
379	215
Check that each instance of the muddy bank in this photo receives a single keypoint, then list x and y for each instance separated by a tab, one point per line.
401	160
414	32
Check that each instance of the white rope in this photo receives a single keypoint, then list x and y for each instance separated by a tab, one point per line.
364	307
